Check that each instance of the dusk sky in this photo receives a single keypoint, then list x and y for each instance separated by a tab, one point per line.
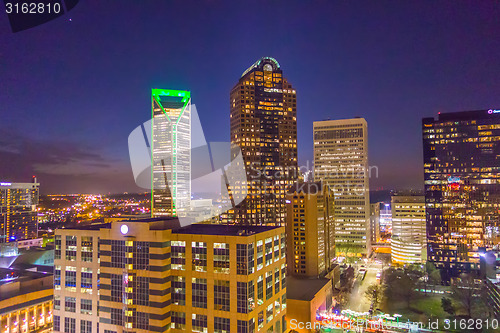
71	91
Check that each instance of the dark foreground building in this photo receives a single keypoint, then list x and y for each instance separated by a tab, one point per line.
462	187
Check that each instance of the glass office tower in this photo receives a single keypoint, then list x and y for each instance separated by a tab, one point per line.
263	109
462	187
171	152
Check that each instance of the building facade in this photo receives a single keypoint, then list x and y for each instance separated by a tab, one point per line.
25	301
385	222
462	187
18	214
263	111
341	162
375	212
408	241
157	277
171	152
76	280
310	229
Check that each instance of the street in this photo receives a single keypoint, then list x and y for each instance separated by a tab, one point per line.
357	300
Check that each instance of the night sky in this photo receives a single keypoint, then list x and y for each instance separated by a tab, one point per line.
72	91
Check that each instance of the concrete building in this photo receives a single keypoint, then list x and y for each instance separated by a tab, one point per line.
310	230
263	111
18	215
76	280
341	162
158	277
409	240
25	301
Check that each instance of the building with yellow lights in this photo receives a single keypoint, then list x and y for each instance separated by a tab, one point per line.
25	301
18	214
341	162
263	111
409	237
158	277
310	229
462	188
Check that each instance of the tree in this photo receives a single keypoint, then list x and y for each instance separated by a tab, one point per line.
433	274
402	284
374	293
465	291
447	306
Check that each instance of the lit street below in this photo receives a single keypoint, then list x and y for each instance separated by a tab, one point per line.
357	301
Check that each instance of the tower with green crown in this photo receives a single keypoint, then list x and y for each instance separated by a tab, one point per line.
170	152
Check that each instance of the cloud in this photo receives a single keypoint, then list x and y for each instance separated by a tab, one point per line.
62	165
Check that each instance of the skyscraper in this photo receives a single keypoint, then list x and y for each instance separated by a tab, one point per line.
310	229
408	241
341	162
263	109
462	187
18	215
171	152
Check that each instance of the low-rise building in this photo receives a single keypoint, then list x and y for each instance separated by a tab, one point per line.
25	301
308	300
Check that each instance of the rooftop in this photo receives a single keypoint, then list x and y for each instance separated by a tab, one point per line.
223	230
465	115
304	289
20	282
166	223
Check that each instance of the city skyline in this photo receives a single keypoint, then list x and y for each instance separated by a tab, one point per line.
249	167
426	59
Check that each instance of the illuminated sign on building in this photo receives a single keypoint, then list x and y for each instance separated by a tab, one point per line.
5	184
491	111
124	229
273	90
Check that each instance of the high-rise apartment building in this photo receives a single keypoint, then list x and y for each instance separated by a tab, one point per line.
408	241
310	229
263	108
171	152
341	162
18	214
462	187
153	276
